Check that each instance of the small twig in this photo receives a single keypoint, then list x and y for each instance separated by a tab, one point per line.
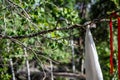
11	63
12	69
73	55
51	66
27	63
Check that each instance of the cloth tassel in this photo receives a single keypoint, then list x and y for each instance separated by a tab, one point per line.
111	47
119	48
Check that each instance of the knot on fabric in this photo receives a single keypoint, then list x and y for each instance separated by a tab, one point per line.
114	15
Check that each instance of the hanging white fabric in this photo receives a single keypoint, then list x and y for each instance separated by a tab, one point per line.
92	66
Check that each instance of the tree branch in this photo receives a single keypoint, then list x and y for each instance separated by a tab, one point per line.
41	32
62	74
52	30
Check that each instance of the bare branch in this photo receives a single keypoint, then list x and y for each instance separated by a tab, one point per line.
41	32
62	74
52	30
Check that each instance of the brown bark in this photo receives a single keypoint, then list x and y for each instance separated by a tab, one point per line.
39	75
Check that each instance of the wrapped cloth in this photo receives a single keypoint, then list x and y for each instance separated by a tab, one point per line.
92	66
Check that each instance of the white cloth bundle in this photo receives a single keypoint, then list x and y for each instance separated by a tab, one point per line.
92	66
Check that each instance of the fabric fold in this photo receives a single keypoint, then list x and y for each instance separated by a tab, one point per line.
92	66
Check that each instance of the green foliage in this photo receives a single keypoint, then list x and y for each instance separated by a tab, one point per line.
117	3
30	16
23	17
3	72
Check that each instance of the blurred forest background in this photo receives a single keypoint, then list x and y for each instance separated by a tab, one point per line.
44	39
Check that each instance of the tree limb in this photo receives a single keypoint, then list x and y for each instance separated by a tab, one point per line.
52	30
62	74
